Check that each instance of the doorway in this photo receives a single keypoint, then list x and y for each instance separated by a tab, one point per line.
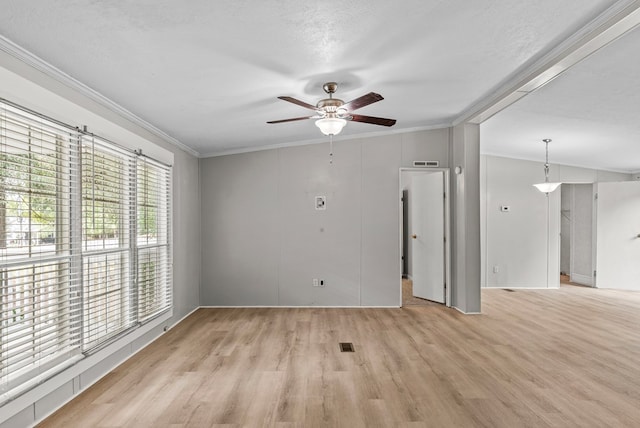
577	234
424	232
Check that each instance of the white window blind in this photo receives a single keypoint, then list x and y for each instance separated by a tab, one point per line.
153	189
40	284
85	245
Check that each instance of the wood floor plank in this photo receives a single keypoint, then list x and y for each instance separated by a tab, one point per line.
538	358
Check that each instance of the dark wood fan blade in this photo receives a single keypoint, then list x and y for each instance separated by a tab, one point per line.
298	102
364	100
374	120
291	120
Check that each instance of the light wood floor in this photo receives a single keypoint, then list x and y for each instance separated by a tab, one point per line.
561	358
407	295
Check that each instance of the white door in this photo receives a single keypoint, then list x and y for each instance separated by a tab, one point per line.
618	235
427	243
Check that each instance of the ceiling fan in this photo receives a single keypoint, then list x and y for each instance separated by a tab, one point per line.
332	114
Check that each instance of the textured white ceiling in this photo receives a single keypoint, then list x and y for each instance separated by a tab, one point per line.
208	72
591	112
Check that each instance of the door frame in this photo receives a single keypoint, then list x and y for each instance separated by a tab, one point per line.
447	227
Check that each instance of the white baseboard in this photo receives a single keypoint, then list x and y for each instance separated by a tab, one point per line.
182	319
493	287
466	313
298	307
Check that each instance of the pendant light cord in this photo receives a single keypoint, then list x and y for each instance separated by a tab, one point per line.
546	162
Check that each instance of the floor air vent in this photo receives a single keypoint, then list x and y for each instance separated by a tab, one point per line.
509	290
346	347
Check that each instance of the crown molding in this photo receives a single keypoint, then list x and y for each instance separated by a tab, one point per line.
556	164
321	140
60	76
612	24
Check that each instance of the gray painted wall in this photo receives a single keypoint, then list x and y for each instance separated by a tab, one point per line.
263	241
186	234
465	215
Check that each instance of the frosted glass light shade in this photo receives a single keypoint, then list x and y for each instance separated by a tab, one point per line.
331	125
547	187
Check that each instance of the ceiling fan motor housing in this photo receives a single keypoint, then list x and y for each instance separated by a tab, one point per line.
330	105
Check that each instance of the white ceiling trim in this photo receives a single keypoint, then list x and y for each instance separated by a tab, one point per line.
39	64
609	26
324	140
541	162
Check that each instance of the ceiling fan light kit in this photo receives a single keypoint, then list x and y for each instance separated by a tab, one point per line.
331	125
546	187
332	114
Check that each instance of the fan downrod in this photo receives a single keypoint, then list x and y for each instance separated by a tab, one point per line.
330	105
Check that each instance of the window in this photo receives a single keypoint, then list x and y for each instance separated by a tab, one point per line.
39	290
154	270
107	208
85	248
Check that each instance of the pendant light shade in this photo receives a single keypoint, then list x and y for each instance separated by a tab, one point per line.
546	187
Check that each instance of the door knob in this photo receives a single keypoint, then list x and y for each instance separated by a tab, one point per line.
414	236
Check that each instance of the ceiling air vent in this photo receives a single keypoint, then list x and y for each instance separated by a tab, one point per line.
426	164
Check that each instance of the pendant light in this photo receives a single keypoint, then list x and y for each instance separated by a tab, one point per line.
547	187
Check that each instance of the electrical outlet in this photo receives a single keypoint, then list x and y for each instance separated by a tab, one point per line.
315	282
496	269
322	283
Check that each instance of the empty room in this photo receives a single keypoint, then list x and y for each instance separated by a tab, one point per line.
335	214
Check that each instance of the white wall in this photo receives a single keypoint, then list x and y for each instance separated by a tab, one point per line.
263	241
524	243
31	88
